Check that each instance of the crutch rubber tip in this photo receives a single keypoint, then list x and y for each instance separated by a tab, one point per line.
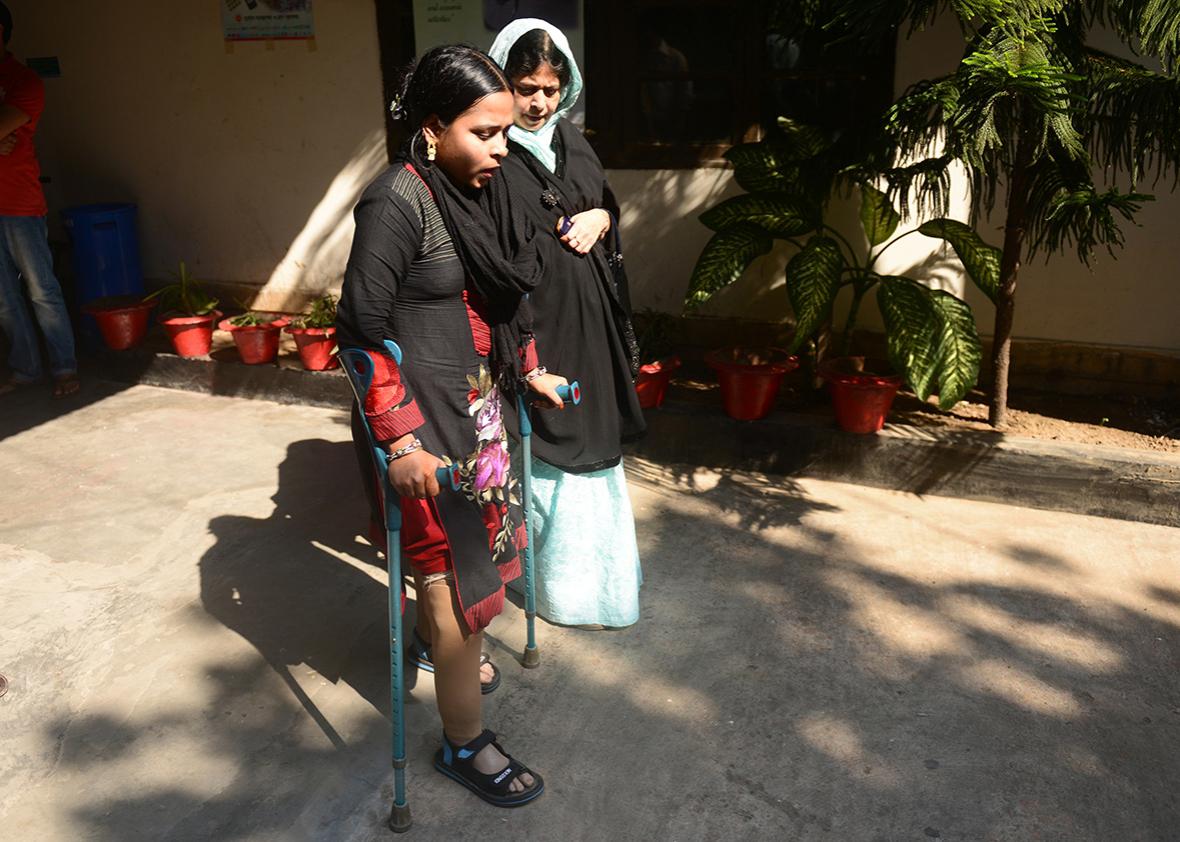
400	820
532	658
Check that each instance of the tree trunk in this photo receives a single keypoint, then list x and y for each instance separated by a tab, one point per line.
1018	187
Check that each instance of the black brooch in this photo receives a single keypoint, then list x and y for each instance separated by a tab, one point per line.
549	199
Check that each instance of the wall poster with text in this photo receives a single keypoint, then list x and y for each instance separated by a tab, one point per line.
259	20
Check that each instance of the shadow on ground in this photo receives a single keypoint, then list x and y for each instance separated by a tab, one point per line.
34	405
781	684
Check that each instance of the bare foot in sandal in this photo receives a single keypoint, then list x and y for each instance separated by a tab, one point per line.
12	383
419	654
66	385
490	761
482	766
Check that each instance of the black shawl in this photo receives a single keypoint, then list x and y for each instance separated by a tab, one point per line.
581	309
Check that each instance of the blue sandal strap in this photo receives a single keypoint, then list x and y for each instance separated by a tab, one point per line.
465	752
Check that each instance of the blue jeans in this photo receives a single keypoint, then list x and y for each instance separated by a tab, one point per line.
24	256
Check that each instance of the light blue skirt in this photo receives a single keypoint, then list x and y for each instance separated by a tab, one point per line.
585	554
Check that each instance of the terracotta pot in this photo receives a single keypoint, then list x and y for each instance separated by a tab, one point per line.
191	336
652	382
861	397
316	347
123	323
257	344
750	379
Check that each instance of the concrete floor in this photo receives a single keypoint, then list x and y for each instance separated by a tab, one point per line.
194	635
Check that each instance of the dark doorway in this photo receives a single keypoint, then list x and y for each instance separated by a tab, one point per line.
395	36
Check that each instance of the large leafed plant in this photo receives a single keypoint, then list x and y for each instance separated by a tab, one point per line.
790	181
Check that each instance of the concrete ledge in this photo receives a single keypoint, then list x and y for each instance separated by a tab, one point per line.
223	374
1083	479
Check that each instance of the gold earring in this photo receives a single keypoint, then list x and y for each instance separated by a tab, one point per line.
431	150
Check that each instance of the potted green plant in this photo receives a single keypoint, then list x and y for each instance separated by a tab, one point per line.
315	335
750	379
188	314
862	391
657	362
256	335
932	342
122	319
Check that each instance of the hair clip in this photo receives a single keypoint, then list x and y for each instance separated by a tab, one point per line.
395	108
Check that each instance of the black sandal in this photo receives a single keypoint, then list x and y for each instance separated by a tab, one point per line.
419	655
456	763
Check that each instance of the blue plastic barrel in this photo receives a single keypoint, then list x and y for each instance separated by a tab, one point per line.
106	250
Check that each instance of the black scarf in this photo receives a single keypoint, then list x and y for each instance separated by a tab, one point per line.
580	188
495	244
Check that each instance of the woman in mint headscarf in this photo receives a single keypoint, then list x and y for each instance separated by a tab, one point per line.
588	571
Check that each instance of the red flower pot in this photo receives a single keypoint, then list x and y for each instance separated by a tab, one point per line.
316	346
191	336
652	382
123	323
750	379
861	398
257	344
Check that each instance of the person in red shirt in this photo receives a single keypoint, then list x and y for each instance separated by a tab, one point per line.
25	259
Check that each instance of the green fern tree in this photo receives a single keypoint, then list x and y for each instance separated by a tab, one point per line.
1055	132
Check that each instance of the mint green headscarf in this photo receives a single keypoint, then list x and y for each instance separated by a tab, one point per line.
540	141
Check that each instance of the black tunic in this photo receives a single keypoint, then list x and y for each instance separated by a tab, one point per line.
581	309
405	282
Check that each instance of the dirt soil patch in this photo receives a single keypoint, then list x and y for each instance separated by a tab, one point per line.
1112	421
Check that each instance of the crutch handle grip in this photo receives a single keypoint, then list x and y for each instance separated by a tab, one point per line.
570	393
448	477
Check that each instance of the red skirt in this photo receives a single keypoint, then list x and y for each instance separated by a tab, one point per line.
423	538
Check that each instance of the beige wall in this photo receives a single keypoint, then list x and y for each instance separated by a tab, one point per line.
247	166
244	164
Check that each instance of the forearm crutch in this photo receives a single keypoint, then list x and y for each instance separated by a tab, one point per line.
573	394
359	368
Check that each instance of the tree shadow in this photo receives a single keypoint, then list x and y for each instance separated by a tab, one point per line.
1165	594
1038	557
793	676
760	501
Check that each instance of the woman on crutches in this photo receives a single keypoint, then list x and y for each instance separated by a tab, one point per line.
585	553
436	271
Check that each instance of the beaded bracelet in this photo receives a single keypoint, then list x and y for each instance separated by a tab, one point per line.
539	371
416	444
